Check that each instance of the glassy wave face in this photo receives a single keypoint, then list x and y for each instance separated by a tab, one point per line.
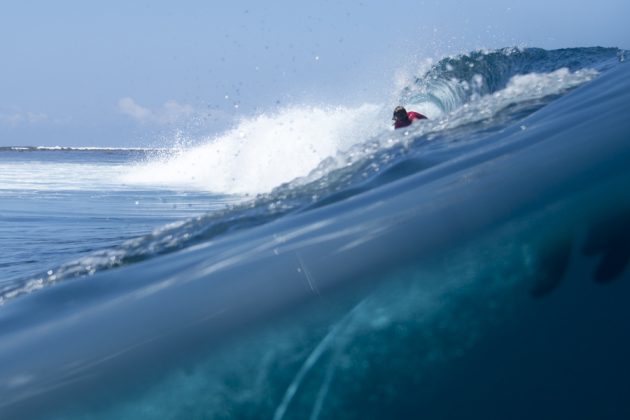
474	265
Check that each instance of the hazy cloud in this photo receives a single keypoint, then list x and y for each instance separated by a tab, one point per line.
129	107
170	112
14	117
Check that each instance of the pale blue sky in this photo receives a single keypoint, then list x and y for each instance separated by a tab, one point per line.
120	74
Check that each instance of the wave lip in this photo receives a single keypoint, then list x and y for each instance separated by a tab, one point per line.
455	81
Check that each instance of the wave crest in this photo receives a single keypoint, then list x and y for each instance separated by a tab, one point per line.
455	81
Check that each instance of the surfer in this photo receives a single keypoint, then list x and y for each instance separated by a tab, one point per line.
402	118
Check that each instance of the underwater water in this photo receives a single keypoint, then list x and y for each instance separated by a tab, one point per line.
474	265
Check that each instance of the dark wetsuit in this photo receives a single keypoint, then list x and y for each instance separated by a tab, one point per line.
411	117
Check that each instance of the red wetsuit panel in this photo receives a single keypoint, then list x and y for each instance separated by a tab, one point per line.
412	116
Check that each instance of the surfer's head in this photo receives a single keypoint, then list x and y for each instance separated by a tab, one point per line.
400	114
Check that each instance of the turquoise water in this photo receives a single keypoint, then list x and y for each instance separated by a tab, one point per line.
474	266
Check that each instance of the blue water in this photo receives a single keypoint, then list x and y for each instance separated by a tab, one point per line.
49	218
472	266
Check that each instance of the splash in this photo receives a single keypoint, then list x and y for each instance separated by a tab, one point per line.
262	152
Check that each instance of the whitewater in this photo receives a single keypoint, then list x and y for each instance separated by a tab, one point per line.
311	262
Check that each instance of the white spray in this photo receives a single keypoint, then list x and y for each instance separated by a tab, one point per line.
264	151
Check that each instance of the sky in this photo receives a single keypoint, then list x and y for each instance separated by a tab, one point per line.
160	73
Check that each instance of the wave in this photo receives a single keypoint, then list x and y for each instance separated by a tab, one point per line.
491	250
436	262
303	158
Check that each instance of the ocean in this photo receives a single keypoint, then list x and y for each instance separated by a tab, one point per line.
313	263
